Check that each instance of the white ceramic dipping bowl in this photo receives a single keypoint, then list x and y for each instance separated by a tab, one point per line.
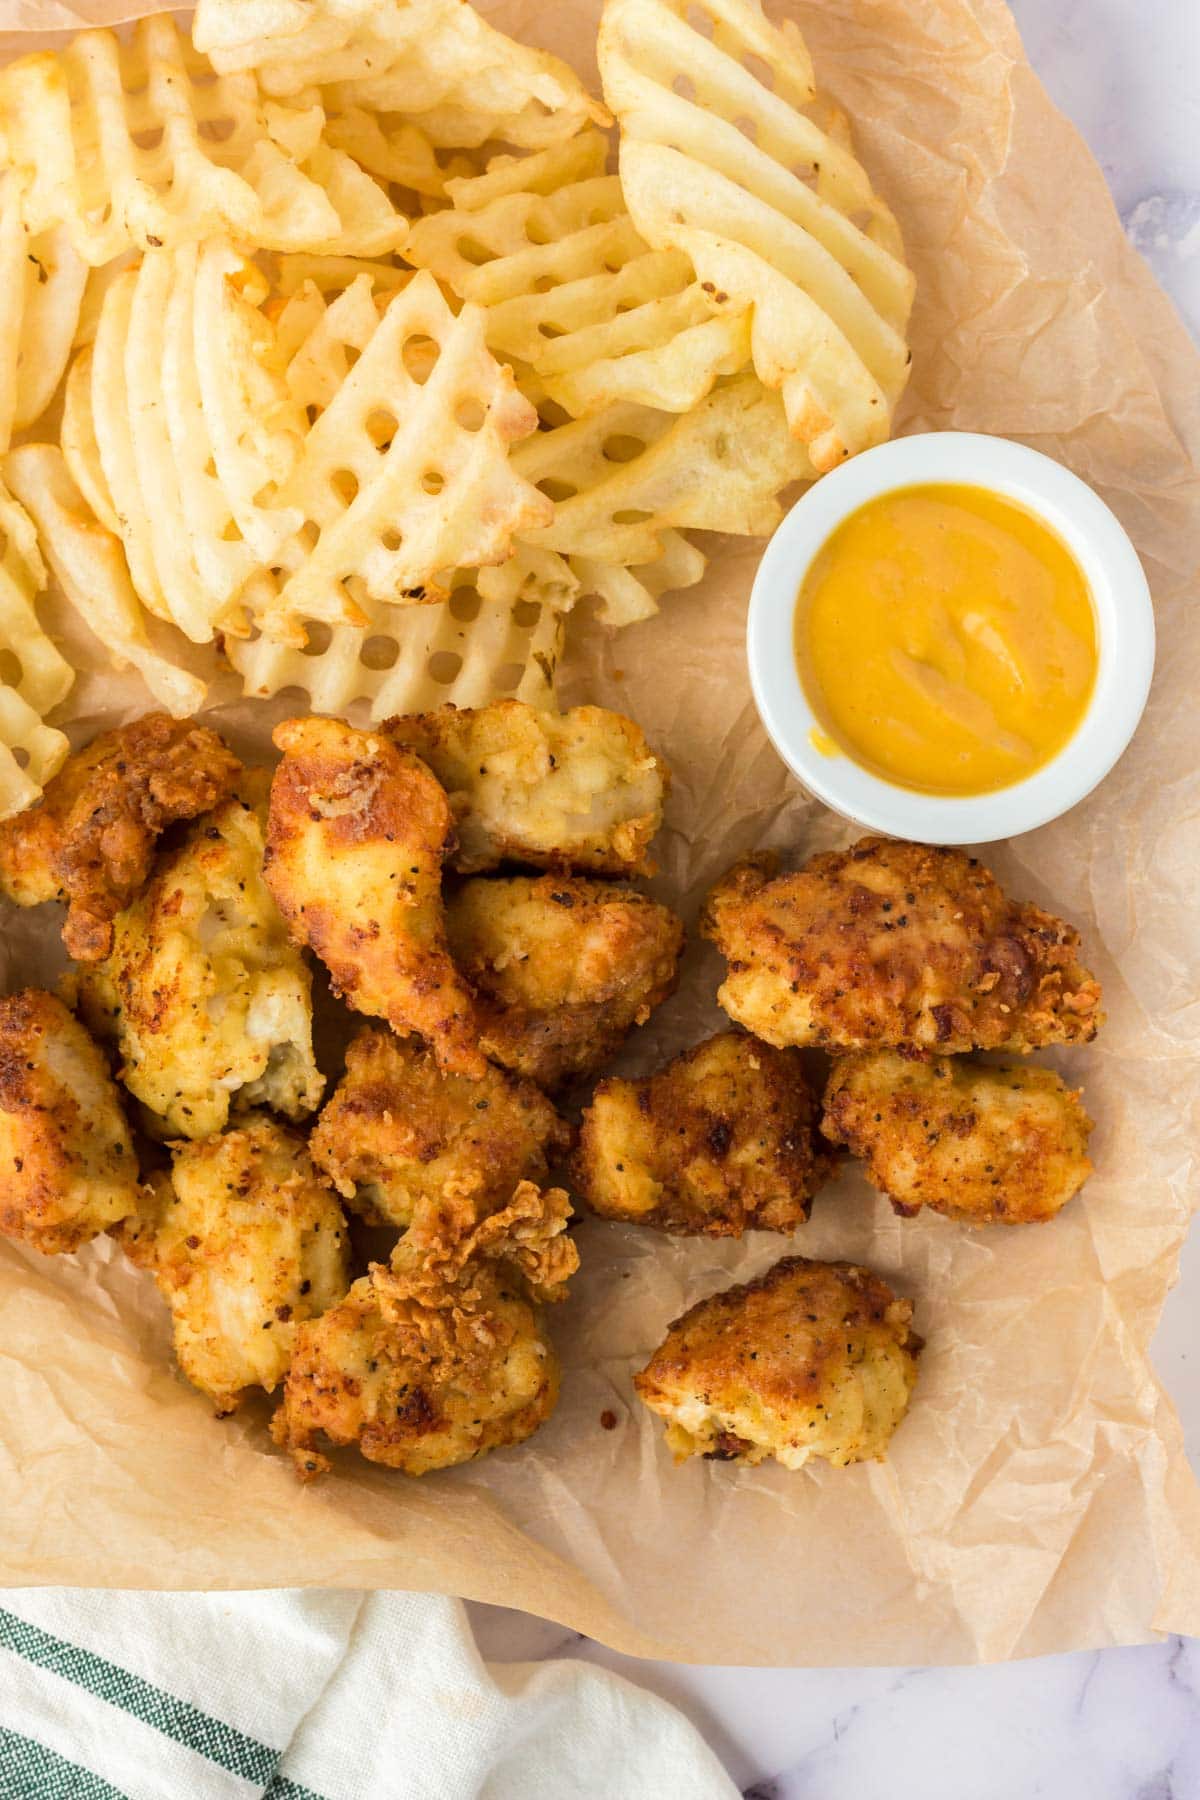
1124	626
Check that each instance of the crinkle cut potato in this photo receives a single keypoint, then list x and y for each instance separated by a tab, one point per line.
755	181
810	1360
283	437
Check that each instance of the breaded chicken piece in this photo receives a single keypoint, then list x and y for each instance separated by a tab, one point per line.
90	839
210	1003
896	944
246	1243
989	1146
812	1359
67	1168
580	789
399	1132
441	1356
357	833
721	1141
562	967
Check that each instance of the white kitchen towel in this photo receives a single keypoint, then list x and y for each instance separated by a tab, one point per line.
314	1696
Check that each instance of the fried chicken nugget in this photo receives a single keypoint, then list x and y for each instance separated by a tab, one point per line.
580	789
210	1003
812	1359
246	1243
896	944
355	842
441	1356
67	1168
721	1141
989	1146
563	968
90	839
399	1131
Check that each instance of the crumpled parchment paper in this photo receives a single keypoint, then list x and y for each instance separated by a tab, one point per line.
1037	1497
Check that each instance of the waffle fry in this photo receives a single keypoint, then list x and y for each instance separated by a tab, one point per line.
626	478
405	475
455	77
89	566
41	292
135	143
178	428
410	658
33	676
773	210
573	292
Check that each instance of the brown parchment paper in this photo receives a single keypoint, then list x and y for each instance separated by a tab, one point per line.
1037	1497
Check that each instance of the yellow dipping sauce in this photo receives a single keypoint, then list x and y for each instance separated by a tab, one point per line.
946	640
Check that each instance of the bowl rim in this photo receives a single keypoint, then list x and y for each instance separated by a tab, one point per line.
1124	622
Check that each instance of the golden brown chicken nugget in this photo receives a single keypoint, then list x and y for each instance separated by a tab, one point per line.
67	1168
442	1355
246	1242
891	943
399	1131
723	1140
812	1359
90	839
563	968
580	789
208	999
356	837
989	1146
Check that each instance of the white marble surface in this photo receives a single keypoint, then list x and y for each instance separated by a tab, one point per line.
1121	1724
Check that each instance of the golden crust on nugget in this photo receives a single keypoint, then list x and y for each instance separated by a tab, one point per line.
1003	1146
90	839
721	1141
580	789
891	943
67	1168
812	1359
442	1355
563	968
355	842
210	1004
246	1242
399	1131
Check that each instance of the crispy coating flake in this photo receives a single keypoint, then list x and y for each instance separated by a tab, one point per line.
563	968
721	1141
90	839
441	1356
400	1132
812	1359
896	944
989	1146
580	789
246	1243
210	1003
357	833
67	1168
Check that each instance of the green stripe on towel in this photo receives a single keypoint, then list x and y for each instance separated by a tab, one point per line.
220	1743
29	1771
